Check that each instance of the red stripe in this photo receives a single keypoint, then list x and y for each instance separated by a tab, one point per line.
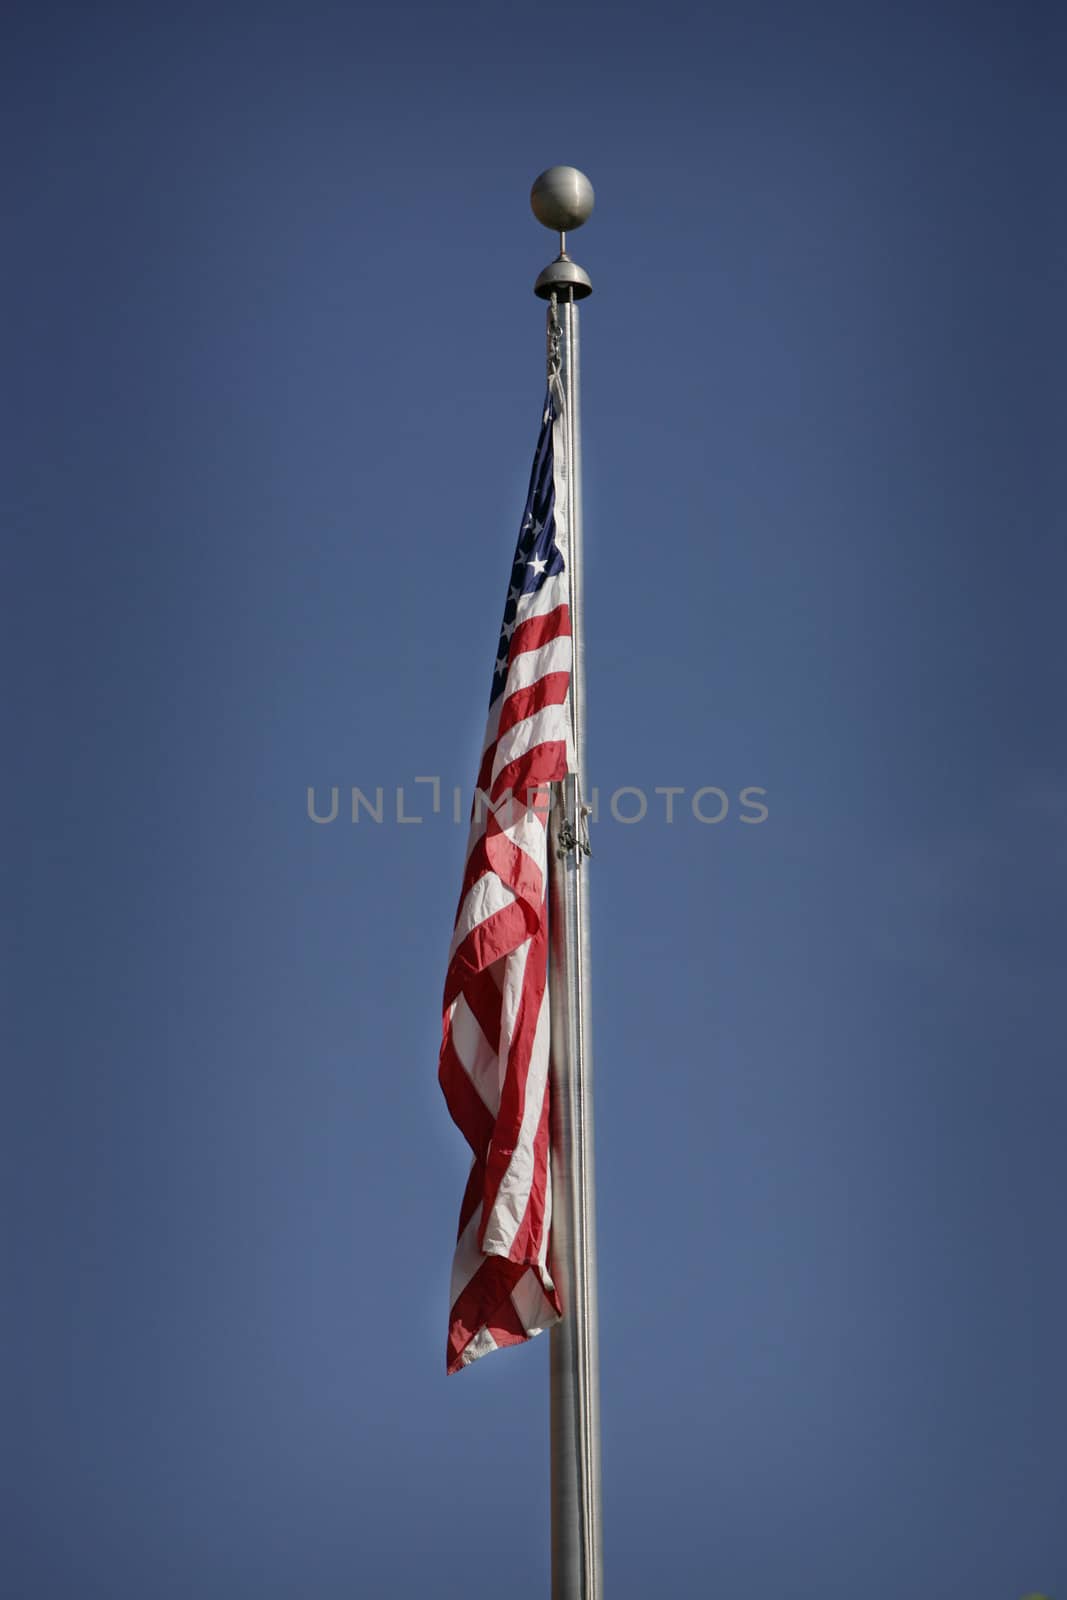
547	691
551	690
536	631
485	772
495	852
486	1302
517	869
528	1240
482	994
545	763
472	1196
502	932
508	1127
477	866
467	1108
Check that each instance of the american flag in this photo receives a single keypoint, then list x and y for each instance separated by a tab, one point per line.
494	1053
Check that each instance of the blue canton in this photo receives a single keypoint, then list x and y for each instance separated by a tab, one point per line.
537	555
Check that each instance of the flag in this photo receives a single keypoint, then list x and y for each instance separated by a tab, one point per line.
495	1045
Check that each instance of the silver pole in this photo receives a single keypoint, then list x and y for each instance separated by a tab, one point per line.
560	200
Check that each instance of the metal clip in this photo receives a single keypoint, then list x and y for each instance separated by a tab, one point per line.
569	840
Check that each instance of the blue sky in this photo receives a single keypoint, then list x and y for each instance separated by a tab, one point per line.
277	371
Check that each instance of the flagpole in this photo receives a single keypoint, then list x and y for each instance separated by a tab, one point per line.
562	199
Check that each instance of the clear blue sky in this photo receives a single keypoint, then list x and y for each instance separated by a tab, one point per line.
274	374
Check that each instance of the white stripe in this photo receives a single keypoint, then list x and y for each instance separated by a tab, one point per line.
468	1258
513	1196
480	1345
560	475
533	1308
480	811
522	818
526	669
511	996
480	1061
486	896
560	470
529	665
548	724
492	722
542	1254
527	832
552	593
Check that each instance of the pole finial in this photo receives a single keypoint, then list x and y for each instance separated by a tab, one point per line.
562	198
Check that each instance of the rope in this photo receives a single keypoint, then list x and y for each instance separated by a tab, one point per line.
554	356
568	839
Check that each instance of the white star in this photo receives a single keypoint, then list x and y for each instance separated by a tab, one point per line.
508	629
538	565
514	594
502	664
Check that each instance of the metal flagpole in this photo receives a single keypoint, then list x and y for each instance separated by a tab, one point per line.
562	198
